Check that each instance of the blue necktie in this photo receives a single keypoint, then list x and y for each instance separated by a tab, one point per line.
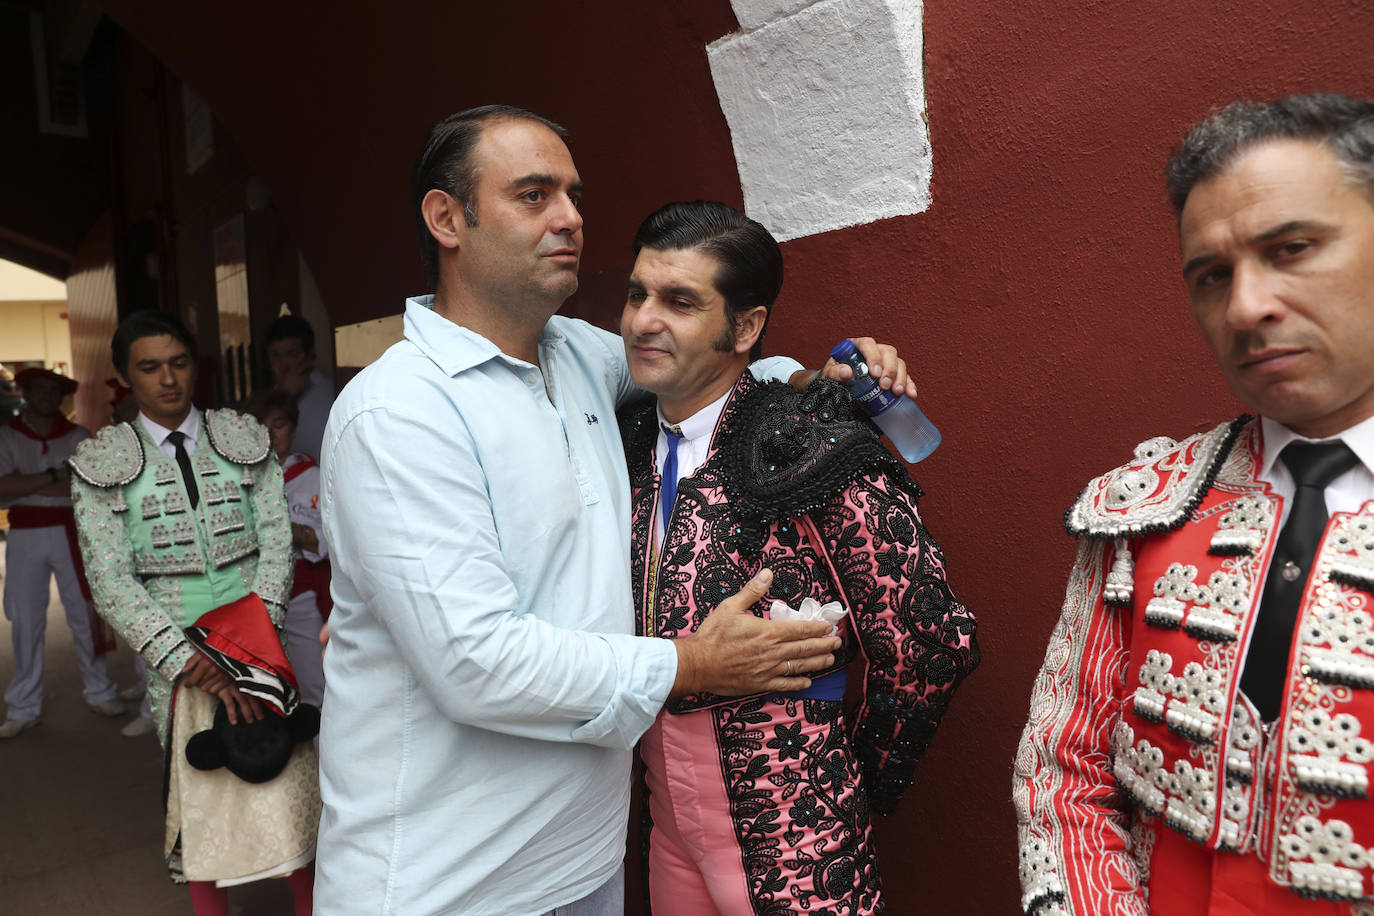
668	494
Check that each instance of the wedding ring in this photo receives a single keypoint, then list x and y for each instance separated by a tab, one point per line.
789	667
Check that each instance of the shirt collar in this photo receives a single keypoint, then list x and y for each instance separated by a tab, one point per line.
1360	439
190	427
701	423
454	348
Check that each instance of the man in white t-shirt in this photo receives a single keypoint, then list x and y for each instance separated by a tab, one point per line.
35	487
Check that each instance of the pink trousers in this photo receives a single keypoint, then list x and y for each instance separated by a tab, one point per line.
694	862
757	806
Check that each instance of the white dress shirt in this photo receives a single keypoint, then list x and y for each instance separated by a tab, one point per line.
190	427
1347	493
696	431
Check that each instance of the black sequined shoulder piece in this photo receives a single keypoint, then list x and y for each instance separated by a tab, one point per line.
638	431
783	452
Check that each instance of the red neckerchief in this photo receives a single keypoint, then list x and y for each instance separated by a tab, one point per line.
60	427
300	463
242	631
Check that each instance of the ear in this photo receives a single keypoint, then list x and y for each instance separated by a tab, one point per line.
750	328
122	380
443	215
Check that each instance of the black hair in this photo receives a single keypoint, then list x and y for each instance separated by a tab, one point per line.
1342	124
289	327
265	401
750	273
445	164
146	323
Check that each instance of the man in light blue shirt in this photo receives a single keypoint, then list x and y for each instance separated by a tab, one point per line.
483	686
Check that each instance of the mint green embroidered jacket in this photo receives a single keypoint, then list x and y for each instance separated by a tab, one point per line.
154	564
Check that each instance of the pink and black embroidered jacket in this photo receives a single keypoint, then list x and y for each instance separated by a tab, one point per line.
794	481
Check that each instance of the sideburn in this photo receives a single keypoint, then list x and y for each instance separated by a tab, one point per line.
725	343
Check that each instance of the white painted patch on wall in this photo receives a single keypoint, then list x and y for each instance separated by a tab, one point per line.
826	106
755	14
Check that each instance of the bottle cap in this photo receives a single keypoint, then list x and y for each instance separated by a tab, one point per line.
843	350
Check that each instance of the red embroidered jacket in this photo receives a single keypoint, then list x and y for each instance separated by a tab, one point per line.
1137	723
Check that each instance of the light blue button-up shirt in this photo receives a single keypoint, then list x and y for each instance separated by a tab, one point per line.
483	688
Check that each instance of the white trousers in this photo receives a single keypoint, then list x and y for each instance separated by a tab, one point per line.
32	557
303	646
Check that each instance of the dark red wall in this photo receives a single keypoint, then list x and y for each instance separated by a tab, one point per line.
1038	298
1041	293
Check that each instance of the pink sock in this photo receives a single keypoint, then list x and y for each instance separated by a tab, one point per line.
208	900
302	882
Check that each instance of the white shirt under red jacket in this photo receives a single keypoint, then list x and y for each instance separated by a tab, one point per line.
1145	781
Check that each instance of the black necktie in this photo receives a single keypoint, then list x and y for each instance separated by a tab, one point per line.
1313	465
178	439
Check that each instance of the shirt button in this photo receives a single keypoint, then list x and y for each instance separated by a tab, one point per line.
1291	571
